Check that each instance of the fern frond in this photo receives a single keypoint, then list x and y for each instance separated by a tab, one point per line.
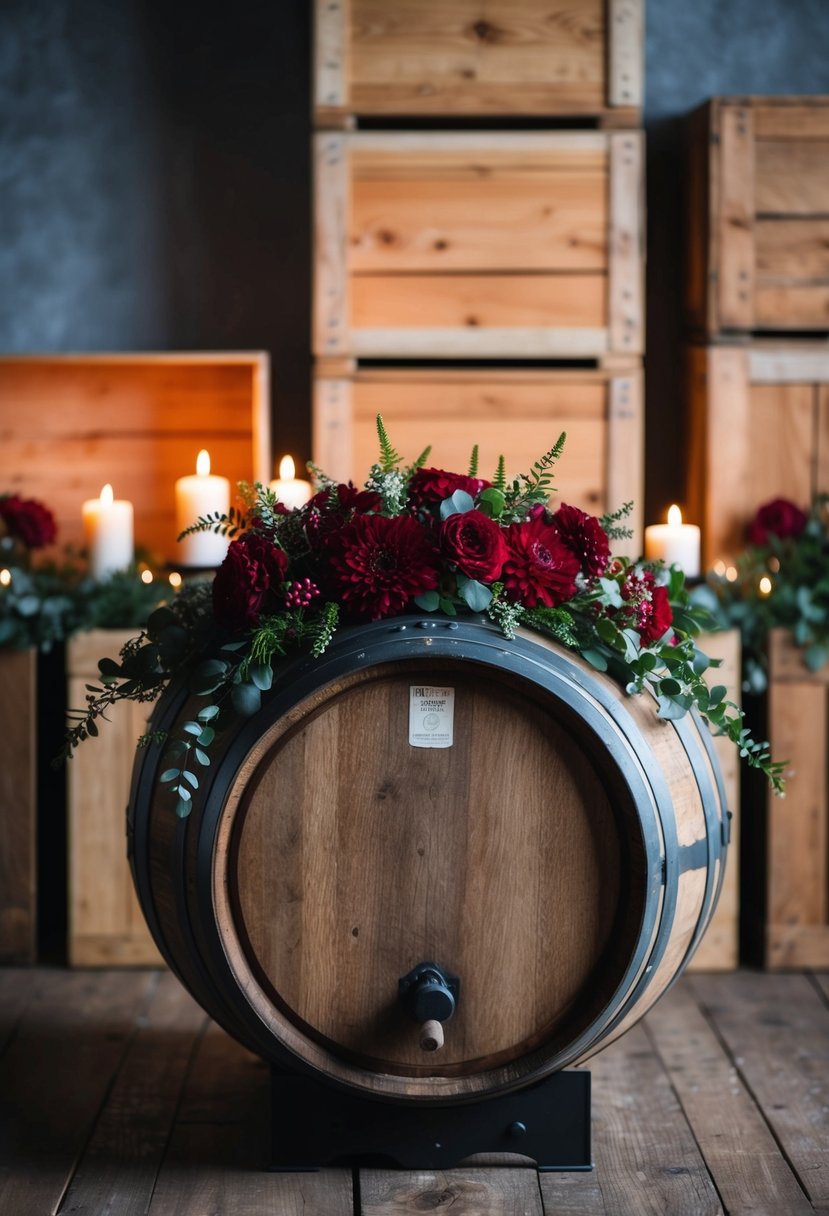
473	462
389	458
499	481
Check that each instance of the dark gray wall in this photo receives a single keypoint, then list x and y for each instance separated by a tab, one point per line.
154	177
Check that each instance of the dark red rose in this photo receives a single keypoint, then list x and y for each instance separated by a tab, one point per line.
776	518
539	569
429	487
585	537
647	607
378	564
28	521
475	543
251	572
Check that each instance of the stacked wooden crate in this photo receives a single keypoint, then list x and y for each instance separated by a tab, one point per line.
68	425
478	267
757	373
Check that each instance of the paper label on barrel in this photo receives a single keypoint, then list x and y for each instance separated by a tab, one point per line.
431	716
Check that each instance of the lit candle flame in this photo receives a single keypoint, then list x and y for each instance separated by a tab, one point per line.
203	463
107	497
765	585
287	469
5	578
146	576
674	516
175	579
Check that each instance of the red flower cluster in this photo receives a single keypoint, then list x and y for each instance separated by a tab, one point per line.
776	518
540	569
429	487
28	521
379	564
475	544
647	607
247	580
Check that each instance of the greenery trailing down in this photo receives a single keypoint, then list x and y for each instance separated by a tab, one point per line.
412	538
672	668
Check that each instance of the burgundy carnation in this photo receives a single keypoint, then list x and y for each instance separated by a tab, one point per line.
380	563
28	520
647	606
585	537
776	518
475	543
252	570
539	569
428	487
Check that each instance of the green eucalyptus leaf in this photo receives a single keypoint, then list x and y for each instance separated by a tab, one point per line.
595	658
206	737
208	713
428	601
261	675
208	676
246	699
170	774
458	504
183	808
475	594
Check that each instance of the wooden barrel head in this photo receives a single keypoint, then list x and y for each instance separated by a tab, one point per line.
354	855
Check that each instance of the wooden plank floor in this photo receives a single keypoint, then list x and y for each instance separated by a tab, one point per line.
119	1096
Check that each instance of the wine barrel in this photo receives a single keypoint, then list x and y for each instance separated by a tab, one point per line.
554	845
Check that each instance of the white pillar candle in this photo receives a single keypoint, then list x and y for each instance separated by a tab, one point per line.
674	543
198	496
108	529
290	490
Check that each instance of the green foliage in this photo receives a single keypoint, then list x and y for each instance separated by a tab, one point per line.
226	523
499	480
473	462
389	458
612	523
533	488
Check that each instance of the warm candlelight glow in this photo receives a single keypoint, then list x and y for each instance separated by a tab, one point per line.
5	578
205	494
719	568
674	543
765	585
203	463
146	576
108	531
175	579
287	469
774	565
731	574
290	490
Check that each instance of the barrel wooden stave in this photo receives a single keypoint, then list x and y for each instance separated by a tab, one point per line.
256	896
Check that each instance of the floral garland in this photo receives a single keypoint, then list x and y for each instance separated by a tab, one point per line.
413	538
780	580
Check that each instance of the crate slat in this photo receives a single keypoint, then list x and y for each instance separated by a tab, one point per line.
478	244
756	233
18	806
477	57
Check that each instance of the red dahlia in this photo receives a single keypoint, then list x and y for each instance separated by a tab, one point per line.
539	569
428	487
776	518
378	564
28	521
585	537
329	509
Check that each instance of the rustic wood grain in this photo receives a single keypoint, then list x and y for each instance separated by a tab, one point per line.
70	424
626	266
106	925
734	219
218	1156
469	1192
59	1066
118	1170
18	806
775	1030
471	57
16	986
647	1159
516	413
749	1171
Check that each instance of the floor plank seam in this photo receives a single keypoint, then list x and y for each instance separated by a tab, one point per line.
703	1157
823	994
185	1080
709	1017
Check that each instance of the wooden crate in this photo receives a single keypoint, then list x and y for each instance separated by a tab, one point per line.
719	949
759	429
796	928
519	413
758	226
478	57
18	806
106	925
489	245
69	424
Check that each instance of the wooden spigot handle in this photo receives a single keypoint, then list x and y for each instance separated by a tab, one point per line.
431	1035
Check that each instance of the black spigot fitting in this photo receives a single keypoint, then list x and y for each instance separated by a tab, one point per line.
429	993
